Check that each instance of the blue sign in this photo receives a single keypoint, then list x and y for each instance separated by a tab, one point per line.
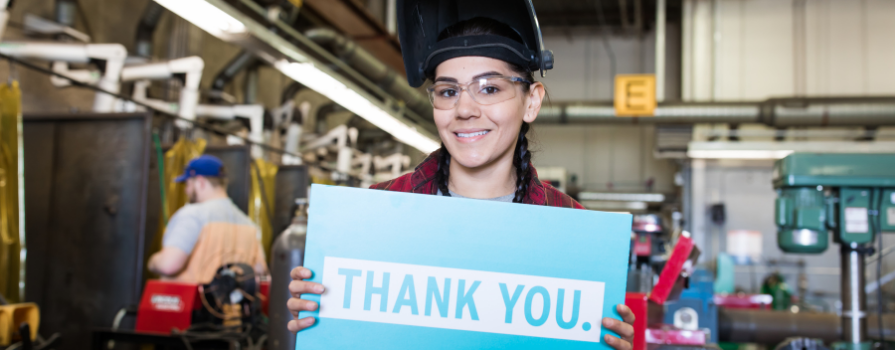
411	271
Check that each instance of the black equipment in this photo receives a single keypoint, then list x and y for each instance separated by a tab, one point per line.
420	22
231	299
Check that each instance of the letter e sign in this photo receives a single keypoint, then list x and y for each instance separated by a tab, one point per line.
635	95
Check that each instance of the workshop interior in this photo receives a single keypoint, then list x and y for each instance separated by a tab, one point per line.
752	140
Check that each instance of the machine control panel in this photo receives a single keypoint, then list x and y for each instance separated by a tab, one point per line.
887	211
854	209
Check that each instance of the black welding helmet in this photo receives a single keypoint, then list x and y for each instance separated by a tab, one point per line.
420	22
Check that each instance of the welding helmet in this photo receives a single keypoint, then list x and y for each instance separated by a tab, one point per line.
420	22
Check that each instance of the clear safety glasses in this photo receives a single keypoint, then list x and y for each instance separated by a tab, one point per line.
484	91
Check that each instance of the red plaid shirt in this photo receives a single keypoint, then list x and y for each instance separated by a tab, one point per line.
422	181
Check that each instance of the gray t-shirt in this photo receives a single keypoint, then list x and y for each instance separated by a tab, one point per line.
508	198
187	223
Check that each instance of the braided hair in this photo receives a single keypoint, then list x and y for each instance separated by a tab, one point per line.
521	154
444	169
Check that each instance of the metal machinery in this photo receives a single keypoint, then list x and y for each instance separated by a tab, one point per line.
852	197
288	252
679	311
647	246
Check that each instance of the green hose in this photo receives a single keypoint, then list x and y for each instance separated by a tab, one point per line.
161	175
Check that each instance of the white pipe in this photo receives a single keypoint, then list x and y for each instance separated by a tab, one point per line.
283	115
702	56
343	160
114	55
47	27
293	139
216	112
660	50
191	67
687	51
391	16
339	135
139	95
698	206
4	16
365	160
76	53
254	113
395	162
86	76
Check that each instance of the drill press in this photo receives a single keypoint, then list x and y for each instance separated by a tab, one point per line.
852	197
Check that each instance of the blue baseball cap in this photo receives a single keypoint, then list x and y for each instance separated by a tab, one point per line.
205	165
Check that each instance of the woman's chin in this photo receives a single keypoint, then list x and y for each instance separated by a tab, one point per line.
469	161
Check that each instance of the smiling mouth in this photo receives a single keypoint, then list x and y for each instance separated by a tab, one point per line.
472	134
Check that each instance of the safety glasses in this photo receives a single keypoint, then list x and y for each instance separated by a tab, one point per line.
484	91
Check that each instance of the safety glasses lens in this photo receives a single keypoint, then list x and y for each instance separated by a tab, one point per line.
485	91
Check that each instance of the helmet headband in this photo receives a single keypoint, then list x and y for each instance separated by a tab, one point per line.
421	21
493	46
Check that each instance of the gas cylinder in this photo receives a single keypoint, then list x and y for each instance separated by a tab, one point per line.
287	253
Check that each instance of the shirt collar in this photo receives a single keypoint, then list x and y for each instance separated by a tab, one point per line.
423	181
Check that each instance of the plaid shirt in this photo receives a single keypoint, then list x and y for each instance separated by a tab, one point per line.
421	180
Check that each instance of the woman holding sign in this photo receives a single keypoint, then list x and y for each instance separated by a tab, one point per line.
481	57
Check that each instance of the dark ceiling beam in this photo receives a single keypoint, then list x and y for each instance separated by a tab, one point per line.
577	18
352	18
636	13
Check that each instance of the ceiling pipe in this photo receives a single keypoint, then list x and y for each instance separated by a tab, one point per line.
660	50
371	67
66	12
778	112
146	28
225	76
290	91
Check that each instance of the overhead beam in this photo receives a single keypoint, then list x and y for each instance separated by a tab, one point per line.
350	17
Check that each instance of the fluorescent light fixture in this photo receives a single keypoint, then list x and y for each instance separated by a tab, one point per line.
738	154
204	15
614	206
215	17
312	77
778	150
622	197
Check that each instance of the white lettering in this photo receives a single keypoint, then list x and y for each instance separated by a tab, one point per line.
471	300
166	302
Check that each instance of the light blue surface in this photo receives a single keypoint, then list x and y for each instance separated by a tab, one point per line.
465	234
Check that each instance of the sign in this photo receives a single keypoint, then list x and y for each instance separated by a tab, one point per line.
856	220
635	95
745	246
411	271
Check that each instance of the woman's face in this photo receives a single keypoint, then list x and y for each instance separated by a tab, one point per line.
478	135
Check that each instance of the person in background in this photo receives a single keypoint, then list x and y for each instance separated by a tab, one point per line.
208	233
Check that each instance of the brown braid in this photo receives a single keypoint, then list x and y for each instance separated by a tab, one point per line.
444	170
522	163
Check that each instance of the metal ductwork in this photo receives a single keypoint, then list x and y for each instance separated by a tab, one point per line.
66	12
237	64
290	91
845	111
371	67
783	112
146	28
773	327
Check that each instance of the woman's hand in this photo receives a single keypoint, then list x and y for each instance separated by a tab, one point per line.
624	329
295	304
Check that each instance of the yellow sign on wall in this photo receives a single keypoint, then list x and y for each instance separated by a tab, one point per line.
635	95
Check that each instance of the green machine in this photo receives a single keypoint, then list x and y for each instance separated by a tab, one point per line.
848	196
